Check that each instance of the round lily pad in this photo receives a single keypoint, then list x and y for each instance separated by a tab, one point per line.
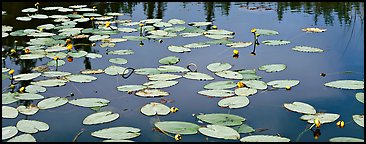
172	69
323	117
31	56
273	67
127	88
177	127
54	63
283	83
81	78
176	21
31	126
359	120
229	74
197	76
121	52
100	117
116	70
266	32
256	84
346	84
50	82
245	91
300	107
52	102
220	36
8	132
163	77
307	49
190	34
174	29
25	77
196	45
217	93
92	71
275	42
147	71
8	98
346	139
117	133
239	44
29	110
219	131
222	119
234	102
29	96
160	84
93	55
29	10
78	54
244	129
55	74
98	37
220	85
39	16
178	49
151	93
24	18
219	32
170	60
8	112
360	97
118	61
162	24
197	24
23	138
217	67
154	108
89	102
264	138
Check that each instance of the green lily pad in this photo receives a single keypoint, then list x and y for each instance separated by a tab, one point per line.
256	84
217	93
116	70
88	10
197	76
273	67
177	127
151	93
77	6
98	37
346	84
190	34
219	131
121	52
154	108
89	102
23	138
93	55
323	117
160	84
218	42
127	88
29	10
300	107
264	138
219	32
8	132
174	29
266	32
55	74
114	40
100	117
176	21
29	96
346	139
31	56
52	102
178	49
275	42
18	33
172	69
307	49
8	98
229	74
283	83
54	63
147	71
60	55
92	71
50	82
217	67
114	14
170	60
163	77
244	129
30	110
239	44
39	16
25	77
150	21
197	24
359	120
8	112
234	102
24	18
135	38
220	85
193	30
31	126
162	24
245	91
220	36
196	45
46	26
41	34
360	97
127	30
117	133
77	54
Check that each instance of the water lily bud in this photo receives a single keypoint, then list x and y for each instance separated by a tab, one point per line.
214	27
240	84
160	41
141	44
253	30
173	109
107	24
36	4
288	88
55	58
70	59
93	44
26	50
177	137
316	134
141	25
253	53
317	122
21	90
12	86
257	35
91	18
340	124
69	47
13	51
11	72
235	51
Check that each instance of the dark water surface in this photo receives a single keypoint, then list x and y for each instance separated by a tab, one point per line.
343	43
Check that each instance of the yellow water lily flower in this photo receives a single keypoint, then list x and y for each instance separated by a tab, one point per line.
26	50
141	25
235	51
107	24
91	18
317	122
173	109
340	124
69	47
40	29
11	71
13	51
177	137
253	30
214	27
68	41
288	88
56	58
240	84
94	7
21	90
257	35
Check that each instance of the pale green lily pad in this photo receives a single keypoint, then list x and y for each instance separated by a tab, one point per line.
29	10
130	23
266	32
116	70
77	6
93	55
162	24
53	63
219	42
190	34
91	15
23	138
220	85
52	102
80	20
127	88
8	132
234	102
178	49
150	21
174	29
24	18
39	16
117	133
219	131
151	93
88	10
114	140
300	107
147	71
163	77
196	45
346	84
112	41
323	117
220	36
29	96
273	67
360	97
8	98
229	74
197	24
256	84
245	91
89	102
197	76
177	127
30	110
121	52
50	82
283	83
100	117
60	55
92	71
154	108
160	84
77	54
135	38
176	21
27	76
3	70
114	14
31	126
172	69
31	56
275	42
127	30
18	33
41	34
219	32
307	49
51	8
217	93
193	30
8	112
244	129
170	60
346	139
264	138
239	44
217	67
98	37
5	34
359	120
55	74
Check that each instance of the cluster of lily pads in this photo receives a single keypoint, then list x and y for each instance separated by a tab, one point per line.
50	40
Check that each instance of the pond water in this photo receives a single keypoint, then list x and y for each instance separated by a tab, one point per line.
342	42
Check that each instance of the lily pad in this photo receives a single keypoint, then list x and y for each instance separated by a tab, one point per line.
346	139
220	85
50	82
346	84
177	127
154	108
197	24
359	120
25	77
244	129
98	37
275	42
300	107
52	102
307	49
160	84
8	98
29	96
266	32
313	30
81	78
219	32
163	77
197	76
172	69
151	93
360	97
77	54
273	67
170	60
23	138
283	83
91	71
217	93
116	70
60	55
150	21
31	56
55	74
8	112
93	55
147	71
196	45
100	117
39	16
264	138
162	24
24	18
239	44
229	74
54	63
127	88
121	52
176	21
323	117
256	84
174	29
31	126
217	67
234	102
29	10
89	102
190	34
219	131
178	49
8	132
28	110
117	133
245	91
220	36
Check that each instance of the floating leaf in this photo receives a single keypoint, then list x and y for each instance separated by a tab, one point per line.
162	24
147	71
174	29
197	24
170	60
220	36
217	93
92	71
128	30
160	84
39	16
219	32
197	76
8	112
98	37
121	52
245	91
177	127
264	138
218	42
116	70
256	84
29	110
60	55
25	18
217	67
219	131
275	42
55	74
300	107
234	102
178	49
163	77
190	34
23	138
150	21
8	132
313	30
77	54
220	85
273	67
176	21
100	117
283	83
239	44
89	102
244	129
151	93
345	139
117	133
359	120
31	126
171	68
8	98
50	83
25	77
135	38
52	102
29	96
81	78
360	97
29	10
323	117
154	108
54	63
266	32
196	45
346	84
229	74
93	55
31	56
127	88
307	49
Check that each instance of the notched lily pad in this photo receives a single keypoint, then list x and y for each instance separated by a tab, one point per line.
360	97
8	132
116	70
160	84
197	76
8	112
221	119
273	67
346	139
220	85
81	78
154	108
170	60
219	131
307	49
245	91
266	32
300	107
283	83
229	74
234	102
177	127
163	77
117	133
346	84
264	138
23	138
216	67
275	42
323	117
128	88
256	84
359	120
151	93
25	77
100	117
52	102
89	102
50	82
28	110
172	69
31	126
